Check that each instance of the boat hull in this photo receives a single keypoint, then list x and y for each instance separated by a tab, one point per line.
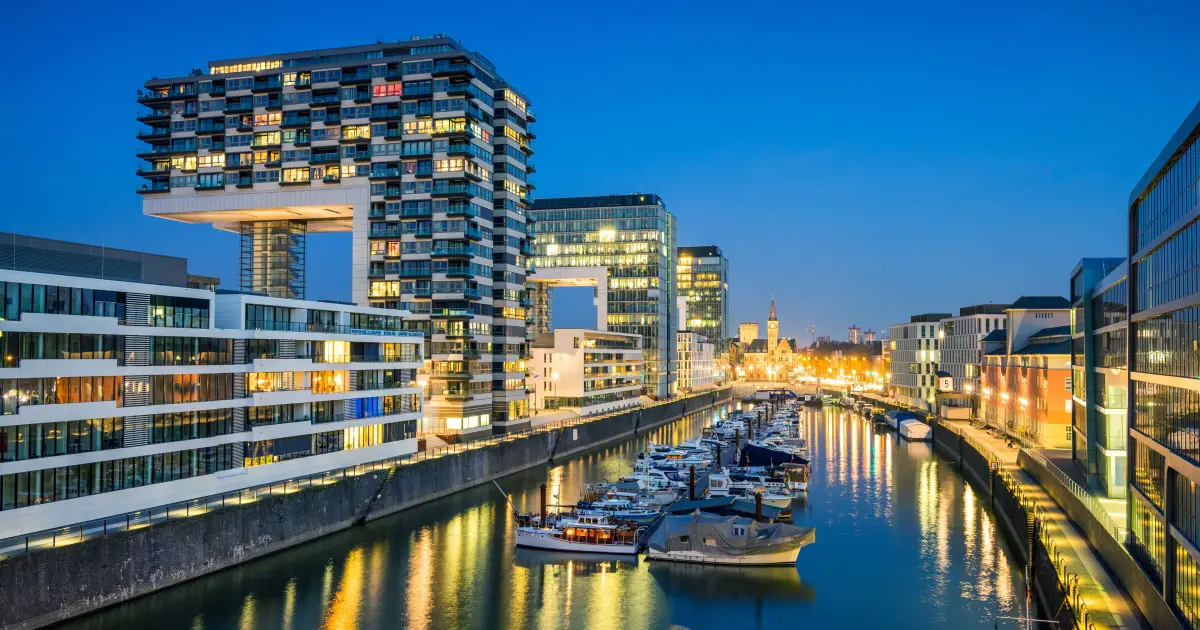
777	558
539	539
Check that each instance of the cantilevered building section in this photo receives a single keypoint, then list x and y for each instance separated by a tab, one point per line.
704	282
418	148
624	245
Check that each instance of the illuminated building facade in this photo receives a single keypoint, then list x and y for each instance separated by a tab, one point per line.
747	332
915	348
960	355
1099	371
586	371
773	358
418	148
120	395
696	361
1164	363
704	283
854	335
631	238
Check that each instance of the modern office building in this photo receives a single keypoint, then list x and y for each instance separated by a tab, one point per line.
747	332
1099	372
854	335
624	245
703	274
418	148
960	355
121	395
586	371
696	361
1025	381
1164	389
914	359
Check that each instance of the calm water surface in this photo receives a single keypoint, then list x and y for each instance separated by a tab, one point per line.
902	542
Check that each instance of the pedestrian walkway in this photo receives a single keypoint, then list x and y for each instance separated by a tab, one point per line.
1106	602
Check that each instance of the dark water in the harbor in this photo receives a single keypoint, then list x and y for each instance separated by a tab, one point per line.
902	542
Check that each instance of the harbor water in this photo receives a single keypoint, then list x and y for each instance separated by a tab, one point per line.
902	542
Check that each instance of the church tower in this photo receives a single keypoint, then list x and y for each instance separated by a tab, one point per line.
772	329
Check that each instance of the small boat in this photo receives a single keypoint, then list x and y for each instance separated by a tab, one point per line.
915	431
586	533
733	540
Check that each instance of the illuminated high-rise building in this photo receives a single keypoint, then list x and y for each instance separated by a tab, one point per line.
1164	370
703	274
624	245
417	148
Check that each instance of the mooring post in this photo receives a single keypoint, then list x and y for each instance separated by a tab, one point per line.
543	513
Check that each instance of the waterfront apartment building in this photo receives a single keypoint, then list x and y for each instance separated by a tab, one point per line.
960	338
120	396
624	245
1164	388
697	368
1025	380
703	274
586	371
914	360
418	148
1099	372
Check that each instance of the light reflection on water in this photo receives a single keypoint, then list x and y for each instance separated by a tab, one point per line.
902	542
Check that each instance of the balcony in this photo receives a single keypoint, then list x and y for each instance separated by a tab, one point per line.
453	69
267	84
418	212
217	127
459	272
156	186
353	77
158	115
295	122
452	313
155	150
452	251
239	107
331	179
380	115
422	292
384	173
416	273
155	96
211	186
453	190
473	232
157	133
324	158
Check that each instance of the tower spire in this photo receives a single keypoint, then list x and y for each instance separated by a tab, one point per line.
772	317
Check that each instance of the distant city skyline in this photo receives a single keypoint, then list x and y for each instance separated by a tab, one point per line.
969	146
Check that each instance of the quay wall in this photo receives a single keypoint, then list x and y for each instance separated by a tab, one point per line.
1111	550
51	586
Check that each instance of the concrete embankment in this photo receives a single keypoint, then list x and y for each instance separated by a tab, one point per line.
51	586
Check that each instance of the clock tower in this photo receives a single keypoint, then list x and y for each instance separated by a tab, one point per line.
772	329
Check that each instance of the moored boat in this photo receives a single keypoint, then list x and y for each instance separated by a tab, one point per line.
585	533
732	540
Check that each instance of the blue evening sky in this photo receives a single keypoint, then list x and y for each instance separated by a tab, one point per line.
862	160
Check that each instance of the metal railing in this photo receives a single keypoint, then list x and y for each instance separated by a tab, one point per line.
1088	499
129	521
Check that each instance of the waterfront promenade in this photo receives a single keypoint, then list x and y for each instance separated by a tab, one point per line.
1106	602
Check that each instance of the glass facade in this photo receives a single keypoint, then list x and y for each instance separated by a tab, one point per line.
1164	265
703	274
634	238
